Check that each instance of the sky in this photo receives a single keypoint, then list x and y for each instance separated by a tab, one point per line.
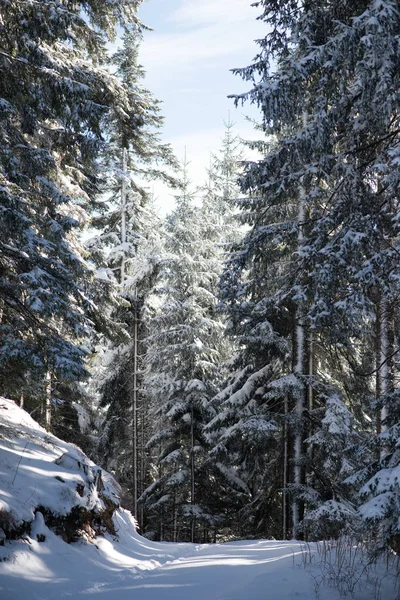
188	57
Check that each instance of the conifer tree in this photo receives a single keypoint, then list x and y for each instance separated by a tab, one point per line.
321	210
221	189
57	97
129	228
184	355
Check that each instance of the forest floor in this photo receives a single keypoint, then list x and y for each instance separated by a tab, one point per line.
37	469
134	568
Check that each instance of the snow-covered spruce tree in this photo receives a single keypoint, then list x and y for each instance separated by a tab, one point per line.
333	453
238	450
221	190
258	294
354	237
324	196
185	351
134	157
249	421
129	228
56	96
120	374
222	230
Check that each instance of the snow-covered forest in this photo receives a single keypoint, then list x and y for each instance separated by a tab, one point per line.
234	365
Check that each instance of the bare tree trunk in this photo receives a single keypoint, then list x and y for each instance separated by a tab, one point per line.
134	416
384	356
175	522
310	375
192	476
161	522
384	350
298	438
141	487
310	405
299	370
48	401
123	212
285	469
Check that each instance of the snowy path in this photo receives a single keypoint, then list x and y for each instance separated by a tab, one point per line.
135	569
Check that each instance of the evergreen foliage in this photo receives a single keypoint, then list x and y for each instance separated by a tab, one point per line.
321	209
57	95
184	357
129	246
247	348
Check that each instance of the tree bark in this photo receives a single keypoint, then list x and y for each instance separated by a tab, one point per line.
192	476
384	351
134	415
285	469
48	401
123	213
300	346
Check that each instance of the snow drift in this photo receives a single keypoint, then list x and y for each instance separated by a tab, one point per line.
40	473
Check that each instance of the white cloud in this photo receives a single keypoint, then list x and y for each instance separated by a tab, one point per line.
193	12
176	50
188	57
204	31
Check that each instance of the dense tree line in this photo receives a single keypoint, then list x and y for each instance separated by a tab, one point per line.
240	357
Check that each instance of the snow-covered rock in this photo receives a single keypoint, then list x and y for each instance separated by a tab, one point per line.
41	474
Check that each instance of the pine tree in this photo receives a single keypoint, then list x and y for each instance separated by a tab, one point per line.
329	179
57	96
184	354
129	228
120	376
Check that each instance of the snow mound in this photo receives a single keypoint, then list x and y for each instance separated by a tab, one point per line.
39	472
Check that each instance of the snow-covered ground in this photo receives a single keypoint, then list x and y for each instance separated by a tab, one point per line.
37	469
136	568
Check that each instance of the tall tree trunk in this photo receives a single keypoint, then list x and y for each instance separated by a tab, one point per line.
384	351
300	348
384	356
175	521
192	476
141	481
285	469
161	519
123	212
310	406
48	401
384	348
135	340
134	414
